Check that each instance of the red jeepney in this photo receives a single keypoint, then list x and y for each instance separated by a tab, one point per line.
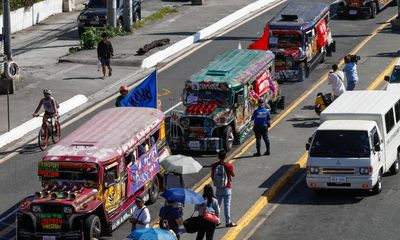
91	178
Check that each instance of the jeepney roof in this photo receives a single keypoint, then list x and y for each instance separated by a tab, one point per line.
299	16
107	135
235	67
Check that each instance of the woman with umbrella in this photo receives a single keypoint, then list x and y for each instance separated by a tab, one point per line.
206	227
171	215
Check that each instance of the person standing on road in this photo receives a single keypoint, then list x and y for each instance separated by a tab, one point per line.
221	174
123	91
141	216
104	53
261	117
206	227
336	79
350	69
171	218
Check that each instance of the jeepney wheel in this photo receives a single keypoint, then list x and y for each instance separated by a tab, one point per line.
228	138
378	186
394	169
154	190
302	72
373	10
340	10
323	57
92	228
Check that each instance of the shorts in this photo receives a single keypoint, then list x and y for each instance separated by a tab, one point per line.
105	62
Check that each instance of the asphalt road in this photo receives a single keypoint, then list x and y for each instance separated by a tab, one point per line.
18	175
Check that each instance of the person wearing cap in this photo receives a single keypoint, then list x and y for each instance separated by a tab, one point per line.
123	91
261	117
50	107
104	53
171	217
141	216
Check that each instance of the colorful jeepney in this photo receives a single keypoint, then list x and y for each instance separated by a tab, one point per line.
220	100
300	37
91	178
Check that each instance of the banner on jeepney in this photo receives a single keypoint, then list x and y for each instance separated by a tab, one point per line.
143	170
262	43
144	95
262	84
322	33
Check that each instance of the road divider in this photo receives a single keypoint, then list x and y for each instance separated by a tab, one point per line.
35	123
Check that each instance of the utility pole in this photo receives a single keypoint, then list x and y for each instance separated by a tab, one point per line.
128	15
111	13
7	29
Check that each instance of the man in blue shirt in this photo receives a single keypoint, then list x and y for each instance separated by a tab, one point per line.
350	69
261	117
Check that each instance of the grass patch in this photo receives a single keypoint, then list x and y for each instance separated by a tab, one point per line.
160	14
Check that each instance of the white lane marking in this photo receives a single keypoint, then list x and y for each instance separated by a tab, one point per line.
173	107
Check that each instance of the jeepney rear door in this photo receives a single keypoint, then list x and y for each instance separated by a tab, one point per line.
239	108
310	44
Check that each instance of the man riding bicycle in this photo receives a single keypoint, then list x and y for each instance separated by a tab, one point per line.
50	107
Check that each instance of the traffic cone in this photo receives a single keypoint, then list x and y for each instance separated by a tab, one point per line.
240	46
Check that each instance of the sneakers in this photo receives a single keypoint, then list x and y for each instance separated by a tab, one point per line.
257	154
266	153
231	225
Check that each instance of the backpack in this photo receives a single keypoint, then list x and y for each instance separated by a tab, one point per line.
220	177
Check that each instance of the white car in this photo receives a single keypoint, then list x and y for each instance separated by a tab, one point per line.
394	78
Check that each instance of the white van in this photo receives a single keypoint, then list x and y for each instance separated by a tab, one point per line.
357	142
394	78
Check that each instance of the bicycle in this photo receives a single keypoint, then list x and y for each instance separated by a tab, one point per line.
52	129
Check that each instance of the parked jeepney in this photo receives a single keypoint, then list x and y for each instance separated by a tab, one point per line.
91	178
220	99
300	37
361	7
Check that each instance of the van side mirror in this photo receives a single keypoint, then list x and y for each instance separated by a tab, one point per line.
307	146
387	78
377	148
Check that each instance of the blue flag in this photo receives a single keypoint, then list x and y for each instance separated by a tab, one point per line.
144	95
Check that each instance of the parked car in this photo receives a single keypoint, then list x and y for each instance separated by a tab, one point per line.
95	14
361	7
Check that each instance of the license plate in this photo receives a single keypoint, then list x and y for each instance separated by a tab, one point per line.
194	145
49	237
353	12
338	179
94	22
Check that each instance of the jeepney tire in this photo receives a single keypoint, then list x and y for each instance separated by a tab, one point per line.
394	169
81	30
154	190
373	10
228	144
302	72
92	228
323	57
395	3
378	186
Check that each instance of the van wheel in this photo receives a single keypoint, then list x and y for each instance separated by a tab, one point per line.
92	228
394	169
302	72
378	186
373	10
228	138
154	190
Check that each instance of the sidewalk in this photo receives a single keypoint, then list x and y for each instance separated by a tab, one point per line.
38	49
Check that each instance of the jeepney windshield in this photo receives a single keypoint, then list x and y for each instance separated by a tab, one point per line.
288	40
341	143
395	77
221	98
69	173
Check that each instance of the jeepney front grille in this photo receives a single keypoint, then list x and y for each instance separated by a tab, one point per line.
338	171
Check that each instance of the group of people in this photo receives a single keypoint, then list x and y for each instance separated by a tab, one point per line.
337	78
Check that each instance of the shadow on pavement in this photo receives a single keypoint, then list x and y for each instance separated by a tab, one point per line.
304	122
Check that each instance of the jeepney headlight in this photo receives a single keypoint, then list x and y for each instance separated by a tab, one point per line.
313	170
366	170
67	209
36	209
289	63
185	122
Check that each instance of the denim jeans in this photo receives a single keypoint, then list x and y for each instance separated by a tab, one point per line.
350	86
226	195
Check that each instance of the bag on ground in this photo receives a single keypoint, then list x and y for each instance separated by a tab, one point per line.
191	224
220	177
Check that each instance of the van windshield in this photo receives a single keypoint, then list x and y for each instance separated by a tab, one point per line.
395	78
341	143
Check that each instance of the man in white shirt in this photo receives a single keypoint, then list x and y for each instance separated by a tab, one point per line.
141	216
336	79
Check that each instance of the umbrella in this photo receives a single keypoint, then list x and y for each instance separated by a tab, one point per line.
181	164
182	195
151	234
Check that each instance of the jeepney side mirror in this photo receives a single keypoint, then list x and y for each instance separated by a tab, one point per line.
387	78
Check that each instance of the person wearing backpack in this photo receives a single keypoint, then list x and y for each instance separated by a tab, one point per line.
171	218
211	204
221	174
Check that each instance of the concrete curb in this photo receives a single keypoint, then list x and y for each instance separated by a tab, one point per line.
93	61
35	123
154	59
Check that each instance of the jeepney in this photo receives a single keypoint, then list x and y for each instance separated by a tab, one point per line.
91	178
220	99
300	37
361	7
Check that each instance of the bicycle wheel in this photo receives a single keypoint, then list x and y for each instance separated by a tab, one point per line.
56	134
43	138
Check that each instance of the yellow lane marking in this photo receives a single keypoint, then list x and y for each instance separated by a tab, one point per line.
165	92
260	204
381	76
